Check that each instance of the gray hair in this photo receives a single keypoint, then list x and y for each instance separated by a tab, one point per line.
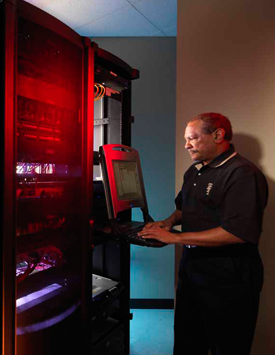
212	121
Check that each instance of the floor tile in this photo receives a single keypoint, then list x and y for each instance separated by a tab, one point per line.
151	332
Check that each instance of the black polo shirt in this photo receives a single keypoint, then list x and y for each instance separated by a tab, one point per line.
230	192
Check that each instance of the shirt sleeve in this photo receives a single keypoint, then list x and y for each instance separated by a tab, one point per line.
242	208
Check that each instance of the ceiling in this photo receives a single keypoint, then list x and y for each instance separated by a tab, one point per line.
115	18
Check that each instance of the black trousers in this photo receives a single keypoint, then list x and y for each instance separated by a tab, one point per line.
217	300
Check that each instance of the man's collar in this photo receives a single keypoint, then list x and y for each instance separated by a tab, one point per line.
219	160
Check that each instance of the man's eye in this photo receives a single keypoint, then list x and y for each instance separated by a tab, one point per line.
191	139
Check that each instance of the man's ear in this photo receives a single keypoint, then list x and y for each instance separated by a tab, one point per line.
219	135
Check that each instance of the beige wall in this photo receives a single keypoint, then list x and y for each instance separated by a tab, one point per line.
226	63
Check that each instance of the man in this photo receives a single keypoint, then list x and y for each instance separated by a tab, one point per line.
220	208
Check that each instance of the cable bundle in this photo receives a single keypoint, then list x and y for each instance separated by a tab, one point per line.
99	91
44	257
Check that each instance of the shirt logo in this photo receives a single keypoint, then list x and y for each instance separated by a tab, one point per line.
208	189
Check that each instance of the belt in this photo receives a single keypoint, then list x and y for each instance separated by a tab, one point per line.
245	249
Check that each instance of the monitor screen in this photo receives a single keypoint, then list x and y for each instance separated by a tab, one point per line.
127	180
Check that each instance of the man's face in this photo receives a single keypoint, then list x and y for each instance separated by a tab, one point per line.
200	146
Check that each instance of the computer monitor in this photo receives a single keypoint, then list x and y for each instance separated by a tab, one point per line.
122	178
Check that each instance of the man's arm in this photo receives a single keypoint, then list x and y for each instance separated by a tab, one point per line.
215	237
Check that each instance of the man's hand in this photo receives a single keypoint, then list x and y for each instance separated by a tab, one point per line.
162	224
159	231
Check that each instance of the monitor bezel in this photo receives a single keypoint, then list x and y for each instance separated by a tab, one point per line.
117	152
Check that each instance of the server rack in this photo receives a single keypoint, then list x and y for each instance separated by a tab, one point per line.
52	241
112	124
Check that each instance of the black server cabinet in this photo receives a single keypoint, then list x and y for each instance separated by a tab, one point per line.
52	165
62	97
111	259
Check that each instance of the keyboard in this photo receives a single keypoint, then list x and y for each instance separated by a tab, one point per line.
132	237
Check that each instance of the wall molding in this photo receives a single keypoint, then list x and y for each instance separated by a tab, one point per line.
151	303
